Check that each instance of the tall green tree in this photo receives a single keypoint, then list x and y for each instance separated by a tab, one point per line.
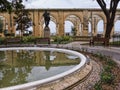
109	13
9	5
22	20
22	17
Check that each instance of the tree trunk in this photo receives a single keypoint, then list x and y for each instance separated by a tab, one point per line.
109	27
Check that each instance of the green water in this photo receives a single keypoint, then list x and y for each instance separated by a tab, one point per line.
22	66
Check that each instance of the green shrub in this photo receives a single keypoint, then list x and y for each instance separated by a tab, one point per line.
2	40
107	77
111	62
28	39
107	68
62	39
98	86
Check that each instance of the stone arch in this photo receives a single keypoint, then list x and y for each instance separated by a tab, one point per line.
75	20
96	18
77	15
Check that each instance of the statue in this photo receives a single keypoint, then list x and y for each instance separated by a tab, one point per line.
46	16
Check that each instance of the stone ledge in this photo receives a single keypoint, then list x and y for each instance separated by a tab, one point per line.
68	80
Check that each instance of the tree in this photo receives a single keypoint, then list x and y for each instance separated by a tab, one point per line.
109	13
22	20
22	17
9	5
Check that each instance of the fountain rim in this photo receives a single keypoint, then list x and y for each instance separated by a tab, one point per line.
34	84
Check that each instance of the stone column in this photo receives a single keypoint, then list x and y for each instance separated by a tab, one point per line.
85	22
60	23
36	24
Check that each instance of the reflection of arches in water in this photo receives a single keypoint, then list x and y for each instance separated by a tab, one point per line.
68	27
12	72
26	57
2	55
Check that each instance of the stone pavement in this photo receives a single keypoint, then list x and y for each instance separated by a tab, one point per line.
113	52
94	77
65	82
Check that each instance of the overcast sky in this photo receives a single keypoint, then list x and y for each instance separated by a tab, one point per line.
63	4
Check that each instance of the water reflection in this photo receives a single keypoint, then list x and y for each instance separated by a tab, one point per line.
21	66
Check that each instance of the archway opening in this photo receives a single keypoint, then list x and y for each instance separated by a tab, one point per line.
72	25
53	30
100	28
89	29
68	28
117	27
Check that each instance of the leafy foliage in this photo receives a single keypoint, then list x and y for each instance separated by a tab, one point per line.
22	17
107	77
10	5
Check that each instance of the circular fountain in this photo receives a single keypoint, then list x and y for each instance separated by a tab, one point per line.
33	84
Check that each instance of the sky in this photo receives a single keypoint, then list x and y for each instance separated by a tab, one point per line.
62	4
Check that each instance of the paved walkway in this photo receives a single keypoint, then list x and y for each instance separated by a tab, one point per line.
94	77
113	52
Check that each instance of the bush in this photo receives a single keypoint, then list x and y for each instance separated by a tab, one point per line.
28	39
62	39
107	68
107	77
98	86
111	62
2	40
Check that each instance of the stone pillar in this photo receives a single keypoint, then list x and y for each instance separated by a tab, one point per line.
60	23
36	24
85	22
57	28
41	29
85	29
94	26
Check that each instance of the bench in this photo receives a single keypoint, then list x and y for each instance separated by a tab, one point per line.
13	41
43	41
81	38
104	41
